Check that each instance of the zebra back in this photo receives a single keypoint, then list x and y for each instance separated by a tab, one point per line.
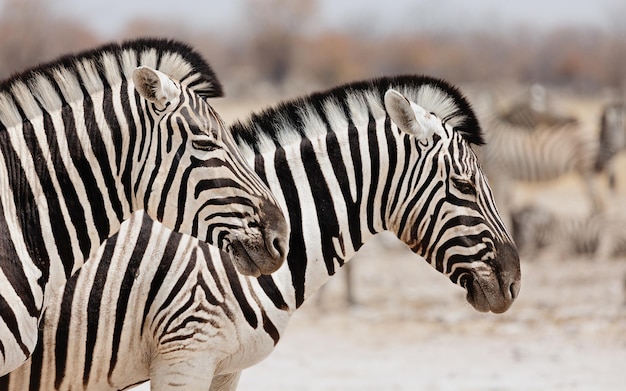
538	148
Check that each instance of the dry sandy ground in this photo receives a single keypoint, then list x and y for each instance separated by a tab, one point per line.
413	330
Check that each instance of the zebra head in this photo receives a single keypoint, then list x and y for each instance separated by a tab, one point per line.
446	209
201	185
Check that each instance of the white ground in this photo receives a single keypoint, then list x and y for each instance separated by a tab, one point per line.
413	330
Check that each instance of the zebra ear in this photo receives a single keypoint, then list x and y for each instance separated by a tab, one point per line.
408	116
154	86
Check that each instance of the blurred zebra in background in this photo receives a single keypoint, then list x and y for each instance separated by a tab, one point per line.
532	110
601	235
530	143
392	154
612	140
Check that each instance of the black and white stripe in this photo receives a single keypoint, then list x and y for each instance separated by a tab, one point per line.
344	164
89	139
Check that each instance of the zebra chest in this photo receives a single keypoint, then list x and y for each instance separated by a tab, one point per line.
253	347
254	342
228	330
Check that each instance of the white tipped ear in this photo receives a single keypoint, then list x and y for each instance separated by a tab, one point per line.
154	86
408	116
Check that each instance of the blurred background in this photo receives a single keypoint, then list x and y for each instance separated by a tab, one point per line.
318	43
397	324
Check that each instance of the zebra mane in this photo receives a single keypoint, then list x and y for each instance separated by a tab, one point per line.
47	86
314	114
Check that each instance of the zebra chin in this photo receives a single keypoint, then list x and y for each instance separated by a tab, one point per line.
494	286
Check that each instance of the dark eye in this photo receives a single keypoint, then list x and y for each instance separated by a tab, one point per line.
204	145
464	186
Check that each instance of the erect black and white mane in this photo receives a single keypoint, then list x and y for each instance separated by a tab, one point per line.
272	127
49	86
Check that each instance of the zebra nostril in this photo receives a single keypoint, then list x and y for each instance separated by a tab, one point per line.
277	249
514	289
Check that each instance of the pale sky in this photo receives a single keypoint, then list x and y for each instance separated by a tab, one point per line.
108	17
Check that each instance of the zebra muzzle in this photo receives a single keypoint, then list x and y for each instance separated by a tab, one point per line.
262	247
243	261
254	256
494	286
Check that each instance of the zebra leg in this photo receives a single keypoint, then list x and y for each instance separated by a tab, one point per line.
605	247
227	382
610	169
598	203
350	297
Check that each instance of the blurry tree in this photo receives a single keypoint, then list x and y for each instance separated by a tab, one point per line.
30	36
277	44
615	58
332	57
276	28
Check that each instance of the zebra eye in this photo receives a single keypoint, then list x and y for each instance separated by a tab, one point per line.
464	186
204	145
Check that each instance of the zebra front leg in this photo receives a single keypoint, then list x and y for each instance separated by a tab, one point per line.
611	173
605	247
598	203
227	382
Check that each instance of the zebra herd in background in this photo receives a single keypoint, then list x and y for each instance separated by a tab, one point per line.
539	230
534	143
528	143
388	154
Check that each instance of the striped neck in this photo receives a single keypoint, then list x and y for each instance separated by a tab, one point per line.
343	172
337	189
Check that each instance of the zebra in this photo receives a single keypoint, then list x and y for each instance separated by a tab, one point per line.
388	154
90	138
536	147
598	234
612	139
535	110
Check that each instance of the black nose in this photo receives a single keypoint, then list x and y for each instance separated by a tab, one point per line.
276	230
508	262
276	242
